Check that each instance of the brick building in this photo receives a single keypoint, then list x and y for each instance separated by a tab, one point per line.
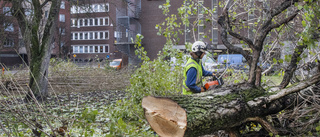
61	43
10	37
12	49
92	31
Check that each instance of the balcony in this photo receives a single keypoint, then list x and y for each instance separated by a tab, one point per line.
128	25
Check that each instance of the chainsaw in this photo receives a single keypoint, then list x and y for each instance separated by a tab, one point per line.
214	82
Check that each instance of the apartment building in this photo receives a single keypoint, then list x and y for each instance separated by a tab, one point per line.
10	37
92	31
12	49
61	43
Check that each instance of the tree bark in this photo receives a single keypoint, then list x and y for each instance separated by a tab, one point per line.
222	109
292	66
40	33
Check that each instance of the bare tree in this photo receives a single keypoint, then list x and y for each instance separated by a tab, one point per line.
37	31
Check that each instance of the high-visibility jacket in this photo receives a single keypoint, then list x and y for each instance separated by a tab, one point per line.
192	63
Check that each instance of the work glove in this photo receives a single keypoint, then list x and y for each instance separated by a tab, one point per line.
203	89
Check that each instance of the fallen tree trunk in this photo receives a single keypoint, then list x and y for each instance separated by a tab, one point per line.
222	109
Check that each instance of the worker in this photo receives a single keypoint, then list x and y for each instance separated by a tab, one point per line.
194	70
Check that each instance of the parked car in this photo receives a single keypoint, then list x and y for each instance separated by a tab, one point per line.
116	63
233	61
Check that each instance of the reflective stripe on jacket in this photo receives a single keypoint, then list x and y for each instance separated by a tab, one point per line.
191	63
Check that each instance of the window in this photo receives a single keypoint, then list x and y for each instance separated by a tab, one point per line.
101	35
8	43
73	22
62	18
101	21
91	49
91	22
107	7
62	31
106	21
102	8
62	6
96	49
85	49
101	49
215	35
96	35
188	35
75	36
90	35
85	35
80	22
75	49
85	22
96	22
6	11
106	49
76	22
73	10
106	35
80	36
8	27
95	8
81	49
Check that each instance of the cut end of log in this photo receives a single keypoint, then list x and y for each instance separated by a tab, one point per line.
165	117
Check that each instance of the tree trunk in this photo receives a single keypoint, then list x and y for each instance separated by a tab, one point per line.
38	32
221	109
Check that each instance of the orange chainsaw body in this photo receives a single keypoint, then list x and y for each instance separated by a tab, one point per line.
211	83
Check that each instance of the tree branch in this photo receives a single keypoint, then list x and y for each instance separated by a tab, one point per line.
292	66
266	27
44	3
300	86
224	32
284	21
283	6
263	123
241	37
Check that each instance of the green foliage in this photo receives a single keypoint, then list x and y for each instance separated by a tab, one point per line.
89	115
158	77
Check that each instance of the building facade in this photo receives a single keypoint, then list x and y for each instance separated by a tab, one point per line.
12	47
100	30
92	32
10	37
61	43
